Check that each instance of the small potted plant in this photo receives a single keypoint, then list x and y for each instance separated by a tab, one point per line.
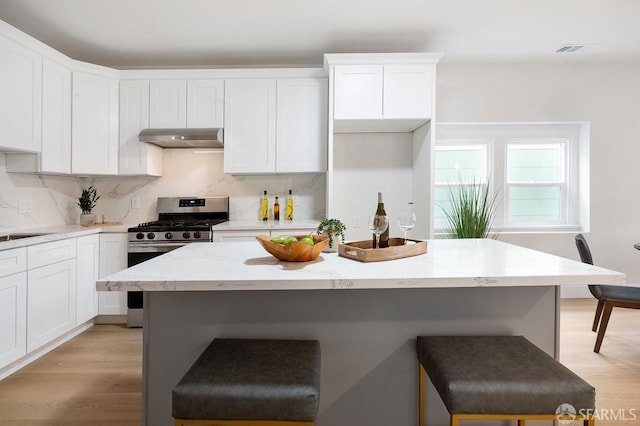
87	202
334	229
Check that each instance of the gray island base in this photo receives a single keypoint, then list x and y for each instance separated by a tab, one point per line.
366	316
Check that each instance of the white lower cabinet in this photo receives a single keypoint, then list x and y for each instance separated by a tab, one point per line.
87	262
243	235
51	302
13	318
113	258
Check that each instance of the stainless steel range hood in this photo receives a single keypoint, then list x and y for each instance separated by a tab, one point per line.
183	138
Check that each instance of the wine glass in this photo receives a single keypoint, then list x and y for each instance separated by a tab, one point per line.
406	222
378	224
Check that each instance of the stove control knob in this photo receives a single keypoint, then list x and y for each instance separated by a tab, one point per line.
168	235
196	234
151	235
139	236
186	235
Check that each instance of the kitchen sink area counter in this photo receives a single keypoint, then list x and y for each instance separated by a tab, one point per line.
52	233
365	315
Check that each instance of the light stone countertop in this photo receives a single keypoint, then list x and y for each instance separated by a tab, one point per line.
447	264
58	232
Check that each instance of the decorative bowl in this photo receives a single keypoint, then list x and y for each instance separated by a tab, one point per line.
296	251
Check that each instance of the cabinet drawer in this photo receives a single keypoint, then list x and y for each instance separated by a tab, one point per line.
48	253
13	261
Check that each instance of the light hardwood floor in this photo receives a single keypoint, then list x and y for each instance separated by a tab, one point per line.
95	379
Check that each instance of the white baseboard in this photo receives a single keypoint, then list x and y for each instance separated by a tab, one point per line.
32	356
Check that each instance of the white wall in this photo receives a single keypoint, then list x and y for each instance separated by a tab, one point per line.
186	173
363	165
605	94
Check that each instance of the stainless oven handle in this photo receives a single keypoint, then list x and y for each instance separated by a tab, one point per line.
154	247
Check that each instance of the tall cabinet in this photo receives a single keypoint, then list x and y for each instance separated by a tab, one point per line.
382	104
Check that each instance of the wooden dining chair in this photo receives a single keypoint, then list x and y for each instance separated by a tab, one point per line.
608	296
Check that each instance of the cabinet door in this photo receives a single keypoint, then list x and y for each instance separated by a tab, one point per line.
94	146
51	302
168	104
408	91
136	158
301	142
56	118
20	99
87	262
13	318
357	92
113	258
205	103
250	126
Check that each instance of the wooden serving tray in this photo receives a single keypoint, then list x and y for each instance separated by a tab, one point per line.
364	251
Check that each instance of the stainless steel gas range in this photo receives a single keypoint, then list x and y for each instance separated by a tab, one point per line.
181	220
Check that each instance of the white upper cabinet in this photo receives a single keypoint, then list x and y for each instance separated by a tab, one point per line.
358	92
250	126
205	103
301	135
382	92
136	158
94	148
186	104
20	99
55	157
275	126
168	104
56	118
408	91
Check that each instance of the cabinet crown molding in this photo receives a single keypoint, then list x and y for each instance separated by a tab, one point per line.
381	58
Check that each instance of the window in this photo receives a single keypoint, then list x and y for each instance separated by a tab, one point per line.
533	170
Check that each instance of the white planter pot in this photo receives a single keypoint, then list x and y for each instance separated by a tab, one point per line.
87	219
337	240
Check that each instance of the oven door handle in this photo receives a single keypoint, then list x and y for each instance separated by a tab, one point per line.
154	247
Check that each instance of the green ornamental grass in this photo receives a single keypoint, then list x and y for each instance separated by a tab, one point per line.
471	212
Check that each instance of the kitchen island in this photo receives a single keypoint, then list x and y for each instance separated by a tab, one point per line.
366	315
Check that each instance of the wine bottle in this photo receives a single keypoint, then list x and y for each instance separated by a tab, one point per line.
289	210
264	207
276	210
384	237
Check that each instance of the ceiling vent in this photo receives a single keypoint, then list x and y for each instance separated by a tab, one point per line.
574	48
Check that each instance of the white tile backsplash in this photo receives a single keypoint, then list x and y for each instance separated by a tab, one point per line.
52	199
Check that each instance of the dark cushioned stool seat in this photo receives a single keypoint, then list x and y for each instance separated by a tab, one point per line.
500	375
251	379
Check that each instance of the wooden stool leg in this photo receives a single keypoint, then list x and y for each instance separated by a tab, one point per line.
422	381
521	422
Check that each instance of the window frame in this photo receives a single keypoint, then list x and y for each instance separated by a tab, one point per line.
499	136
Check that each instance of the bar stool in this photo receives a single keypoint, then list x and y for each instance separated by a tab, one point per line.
500	378
251	382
